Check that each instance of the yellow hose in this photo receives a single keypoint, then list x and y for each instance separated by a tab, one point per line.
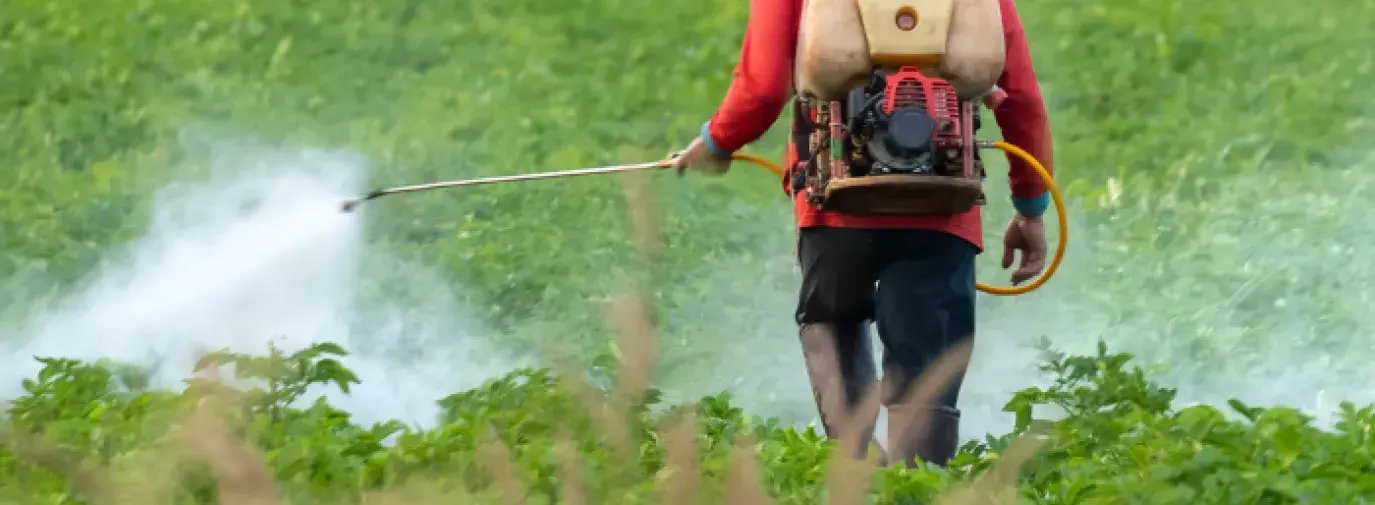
1015	151
758	160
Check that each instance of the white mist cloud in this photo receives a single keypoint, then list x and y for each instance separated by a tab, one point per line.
259	251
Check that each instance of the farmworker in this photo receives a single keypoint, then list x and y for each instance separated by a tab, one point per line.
911	275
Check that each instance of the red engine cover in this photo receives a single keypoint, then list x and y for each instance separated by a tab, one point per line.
908	87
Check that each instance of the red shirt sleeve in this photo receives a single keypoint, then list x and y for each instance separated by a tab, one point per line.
1022	115
763	78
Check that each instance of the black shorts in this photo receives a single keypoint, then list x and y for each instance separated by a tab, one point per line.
916	285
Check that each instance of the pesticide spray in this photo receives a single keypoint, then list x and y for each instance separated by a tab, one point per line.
259	252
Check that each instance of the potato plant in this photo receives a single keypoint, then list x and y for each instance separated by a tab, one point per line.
87	432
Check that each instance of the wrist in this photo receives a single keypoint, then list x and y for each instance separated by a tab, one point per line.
1032	207
710	144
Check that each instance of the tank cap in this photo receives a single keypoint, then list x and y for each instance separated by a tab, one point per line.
906	18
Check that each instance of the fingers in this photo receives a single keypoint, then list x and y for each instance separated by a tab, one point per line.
689	159
1027	237
1033	261
1026	273
677	160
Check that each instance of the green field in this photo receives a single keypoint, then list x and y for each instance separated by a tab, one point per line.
1215	158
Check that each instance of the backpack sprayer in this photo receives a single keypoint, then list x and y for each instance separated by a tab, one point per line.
671	162
888	95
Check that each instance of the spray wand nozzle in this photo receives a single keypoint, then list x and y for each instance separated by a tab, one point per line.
350	205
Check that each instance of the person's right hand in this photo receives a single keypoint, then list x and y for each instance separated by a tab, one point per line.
697	157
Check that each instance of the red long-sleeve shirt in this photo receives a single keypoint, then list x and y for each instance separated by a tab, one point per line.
763	85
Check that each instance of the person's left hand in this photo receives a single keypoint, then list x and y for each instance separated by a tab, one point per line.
1027	235
698	158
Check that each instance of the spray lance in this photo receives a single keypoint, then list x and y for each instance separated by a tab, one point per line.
352	204
672	162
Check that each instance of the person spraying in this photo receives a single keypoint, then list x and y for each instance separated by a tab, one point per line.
886	182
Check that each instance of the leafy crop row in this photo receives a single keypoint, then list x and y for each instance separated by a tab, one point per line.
94	433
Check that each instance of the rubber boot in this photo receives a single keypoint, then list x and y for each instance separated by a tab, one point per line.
841	369
928	432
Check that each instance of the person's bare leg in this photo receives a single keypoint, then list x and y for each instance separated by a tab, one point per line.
835	303
924	310
840	367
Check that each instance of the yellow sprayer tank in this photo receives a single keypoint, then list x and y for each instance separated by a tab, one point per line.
957	40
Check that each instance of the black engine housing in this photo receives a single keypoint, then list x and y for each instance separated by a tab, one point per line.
900	142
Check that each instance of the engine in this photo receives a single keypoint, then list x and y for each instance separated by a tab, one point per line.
905	123
900	144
